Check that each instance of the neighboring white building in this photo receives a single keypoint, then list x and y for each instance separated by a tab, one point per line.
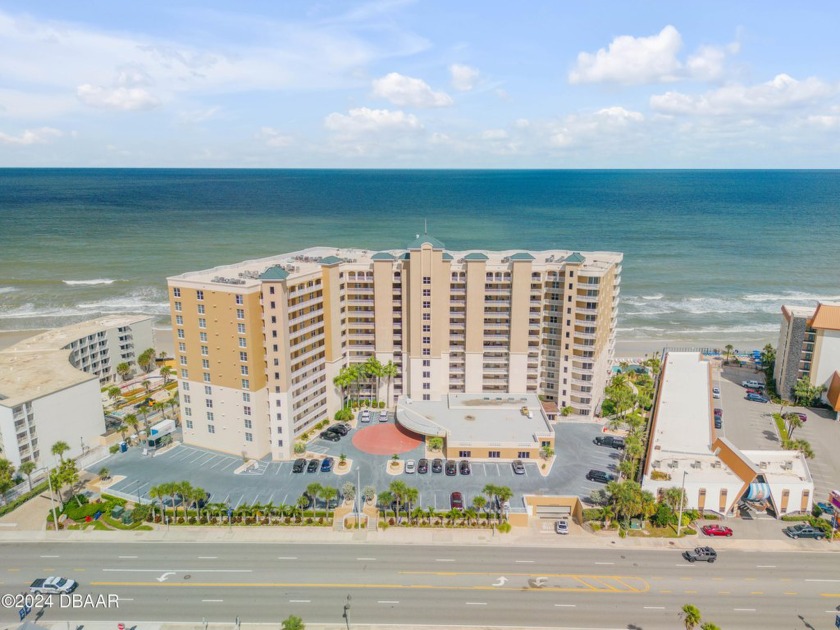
50	385
685	450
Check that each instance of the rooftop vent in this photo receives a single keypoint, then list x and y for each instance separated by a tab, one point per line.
673	463
762	465
716	464
696	464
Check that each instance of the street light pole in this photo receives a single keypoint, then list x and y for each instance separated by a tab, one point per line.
359	499
52	497
346	614
682	501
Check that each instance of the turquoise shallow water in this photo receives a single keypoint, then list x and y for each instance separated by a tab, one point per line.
709	254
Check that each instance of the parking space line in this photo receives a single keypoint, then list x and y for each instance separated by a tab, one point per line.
221	461
256	498
279	468
238	502
233	463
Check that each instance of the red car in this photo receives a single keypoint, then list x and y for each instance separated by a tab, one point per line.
757	392
802	417
716	530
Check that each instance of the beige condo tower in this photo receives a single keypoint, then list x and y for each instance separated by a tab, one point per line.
260	342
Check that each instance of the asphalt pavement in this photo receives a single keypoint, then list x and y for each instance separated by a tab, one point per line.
424	585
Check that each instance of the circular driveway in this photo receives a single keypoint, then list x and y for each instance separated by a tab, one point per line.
385	439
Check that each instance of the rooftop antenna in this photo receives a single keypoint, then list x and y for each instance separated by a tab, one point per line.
425	227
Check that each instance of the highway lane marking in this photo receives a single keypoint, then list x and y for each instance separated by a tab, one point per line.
829	594
300	601
212	600
524	562
368	559
666	591
127	557
724	592
565	605
822	580
790	593
476	603
765	566
179	570
654	607
744	609
444	559
287	557
50	556
387	601
757	593
605	563
208	557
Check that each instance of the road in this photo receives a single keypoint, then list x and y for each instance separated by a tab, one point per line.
428	585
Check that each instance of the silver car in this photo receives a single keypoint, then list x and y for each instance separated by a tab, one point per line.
410	467
561	527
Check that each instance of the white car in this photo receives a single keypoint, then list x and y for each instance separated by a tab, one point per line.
365	416
410	467
53	584
715	392
752	384
383	416
561	527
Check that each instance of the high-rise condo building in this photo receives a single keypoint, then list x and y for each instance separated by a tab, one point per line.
259	343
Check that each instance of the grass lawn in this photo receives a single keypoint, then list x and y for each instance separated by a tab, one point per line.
648	531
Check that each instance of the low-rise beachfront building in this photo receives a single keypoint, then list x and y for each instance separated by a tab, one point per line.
259	343
50	385
486	426
685	451
809	347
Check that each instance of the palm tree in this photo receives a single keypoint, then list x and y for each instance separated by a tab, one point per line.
727	351
398	490
7	473
156	494
471	515
301	504
59	448
691	616
386	500
430	514
504	493
166	373
313	490
27	468
343	380
173	402
162	355
479	502
803	446
114	392
626	497
490	490
709	626
160	407
123	431
123	370
146	360
131	421
373	369
389	371
147	385
793	423
328	493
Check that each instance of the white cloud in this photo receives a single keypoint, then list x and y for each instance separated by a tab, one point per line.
494	134
31	136
782	92
620	115
825	121
364	120
464	77
273	138
198	116
121	98
632	60
654	59
409	92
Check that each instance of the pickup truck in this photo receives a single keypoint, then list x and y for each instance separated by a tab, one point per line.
703	554
53	584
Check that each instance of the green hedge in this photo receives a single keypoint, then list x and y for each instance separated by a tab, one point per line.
24	498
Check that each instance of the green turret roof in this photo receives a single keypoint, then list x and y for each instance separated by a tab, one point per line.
575	258
274	273
383	256
522	256
447	256
476	256
418	242
330	260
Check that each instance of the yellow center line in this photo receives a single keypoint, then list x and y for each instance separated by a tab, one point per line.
829	594
627	586
790	593
666	591
724	592
756	592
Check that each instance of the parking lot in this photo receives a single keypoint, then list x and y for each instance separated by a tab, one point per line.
274	482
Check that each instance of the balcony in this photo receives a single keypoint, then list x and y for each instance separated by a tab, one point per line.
584	335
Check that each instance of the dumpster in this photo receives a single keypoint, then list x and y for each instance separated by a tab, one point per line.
117	511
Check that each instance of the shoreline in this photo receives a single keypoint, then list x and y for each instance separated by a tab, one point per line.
624	348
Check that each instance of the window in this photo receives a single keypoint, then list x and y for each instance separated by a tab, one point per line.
427	280
176	291
205	351
243	356
182	347
240	313
275	348
246	410
247	424
426	363
246	397
210	416
427	386
494	454
243	370
427	374
427	304
208	390
274	333
183	360
242	342
199	295
187	411
271	290
427	317
202	323
239	299
205	363
206	377
203	336
179	320
186	399
246	384
277	376
249	437
177	306
427	340
186	387
184	374
427	328
240	328
427	352
427	293
276	362
571	274
273	319
211	428
201	309
189	424
279	442
523	455
464	453
426	397
208	402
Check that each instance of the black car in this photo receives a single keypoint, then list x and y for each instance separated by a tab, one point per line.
299	465
465	467
451	467
437	465
423	466
330	436
327	465
518	467
600	476
610	440
341	429
700	554
313	466
718	422
804	531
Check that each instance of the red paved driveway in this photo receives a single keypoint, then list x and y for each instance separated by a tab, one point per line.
385	439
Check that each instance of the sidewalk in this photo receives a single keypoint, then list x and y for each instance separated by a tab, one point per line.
158	625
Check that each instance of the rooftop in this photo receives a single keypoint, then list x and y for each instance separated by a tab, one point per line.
249	274
827	316
487	419
40	365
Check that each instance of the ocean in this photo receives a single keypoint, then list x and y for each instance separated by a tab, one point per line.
707	254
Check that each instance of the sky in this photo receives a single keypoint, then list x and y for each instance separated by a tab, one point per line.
420	84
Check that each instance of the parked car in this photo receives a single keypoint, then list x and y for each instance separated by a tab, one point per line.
312	466
561	527
329	436
802	417
451	467
826	508
610	440
465	467
718	422
437	465
715	392
456	501
201	503
172	500
518	467
757	392
308	501
341	429
327	464
752	384
803	530
410	467
365	417
383	416
700	554
423	466
299	465
757	398
600	476
716	530
718	411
